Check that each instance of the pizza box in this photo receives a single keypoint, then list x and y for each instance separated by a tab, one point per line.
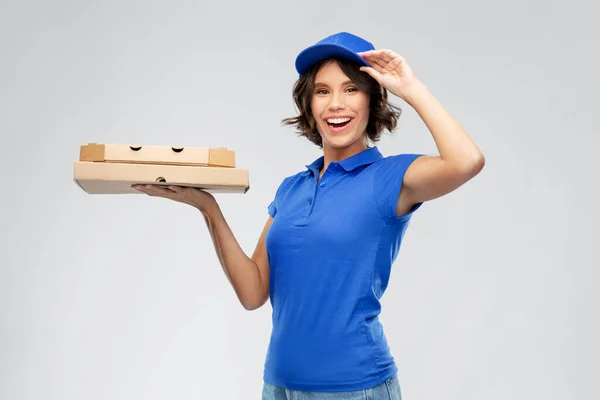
125	153
113	169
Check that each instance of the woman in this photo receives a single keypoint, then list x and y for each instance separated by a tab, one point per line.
334	229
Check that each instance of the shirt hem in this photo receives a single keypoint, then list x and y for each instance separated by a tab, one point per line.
341	387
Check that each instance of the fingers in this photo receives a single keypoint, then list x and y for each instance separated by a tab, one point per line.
393	60
371	56
385	59
141	188
376	63
178	193
155	190
160	190
385	54
186	195
374	73
390	56
183	191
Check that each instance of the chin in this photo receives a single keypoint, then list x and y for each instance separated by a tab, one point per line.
340	142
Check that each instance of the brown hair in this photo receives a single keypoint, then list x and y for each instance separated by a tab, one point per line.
382	114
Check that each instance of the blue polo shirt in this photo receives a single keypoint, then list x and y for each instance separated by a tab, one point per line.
330	248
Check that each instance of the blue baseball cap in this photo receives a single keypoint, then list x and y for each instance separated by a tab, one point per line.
342	44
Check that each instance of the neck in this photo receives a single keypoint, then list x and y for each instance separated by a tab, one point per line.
333	154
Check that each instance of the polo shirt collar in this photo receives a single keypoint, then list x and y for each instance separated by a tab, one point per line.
365	157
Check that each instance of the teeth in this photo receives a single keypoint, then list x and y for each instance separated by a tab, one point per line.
338	120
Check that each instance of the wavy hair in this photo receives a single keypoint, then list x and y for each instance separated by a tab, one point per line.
382	114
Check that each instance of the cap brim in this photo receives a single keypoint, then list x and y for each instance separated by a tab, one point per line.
311	55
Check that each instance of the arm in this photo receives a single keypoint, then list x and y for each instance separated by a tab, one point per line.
459	161
248	276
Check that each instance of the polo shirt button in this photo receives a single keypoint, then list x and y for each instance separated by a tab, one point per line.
322	184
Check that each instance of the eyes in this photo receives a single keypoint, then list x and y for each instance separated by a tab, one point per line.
324	91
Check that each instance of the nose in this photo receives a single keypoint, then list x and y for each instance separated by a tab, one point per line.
336	101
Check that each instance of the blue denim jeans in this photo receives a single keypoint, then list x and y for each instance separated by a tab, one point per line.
388	390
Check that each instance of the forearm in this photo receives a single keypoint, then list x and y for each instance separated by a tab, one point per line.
454	144
241	271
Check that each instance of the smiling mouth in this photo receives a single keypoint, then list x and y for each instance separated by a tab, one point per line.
338	125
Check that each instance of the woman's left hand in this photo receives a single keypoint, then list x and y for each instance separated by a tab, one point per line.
391	71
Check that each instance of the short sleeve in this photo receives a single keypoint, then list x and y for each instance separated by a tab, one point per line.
388	183
272	208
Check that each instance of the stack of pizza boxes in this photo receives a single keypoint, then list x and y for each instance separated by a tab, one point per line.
114	168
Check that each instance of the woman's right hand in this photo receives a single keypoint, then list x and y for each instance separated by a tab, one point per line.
249	276
195	197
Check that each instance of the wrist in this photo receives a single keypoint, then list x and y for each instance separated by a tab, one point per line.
209	209
414	91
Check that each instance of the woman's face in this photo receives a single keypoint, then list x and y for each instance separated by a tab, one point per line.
340	109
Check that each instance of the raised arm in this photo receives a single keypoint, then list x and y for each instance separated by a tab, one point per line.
459	160
428	177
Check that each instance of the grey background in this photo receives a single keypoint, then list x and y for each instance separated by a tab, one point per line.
122	297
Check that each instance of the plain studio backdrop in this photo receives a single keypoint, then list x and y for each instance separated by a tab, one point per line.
122	296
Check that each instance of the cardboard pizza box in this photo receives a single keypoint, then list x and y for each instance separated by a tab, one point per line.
113	169
125	153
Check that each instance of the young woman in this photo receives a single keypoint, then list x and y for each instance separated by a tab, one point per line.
335	228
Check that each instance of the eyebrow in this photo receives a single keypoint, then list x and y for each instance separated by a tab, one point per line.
343	83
